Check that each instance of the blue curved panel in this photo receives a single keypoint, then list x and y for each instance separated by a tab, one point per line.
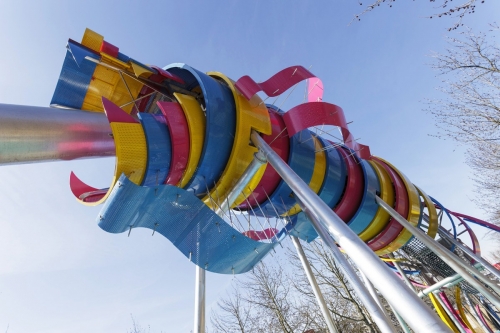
330	192
187	222
159	149
300	157
220	126
368	206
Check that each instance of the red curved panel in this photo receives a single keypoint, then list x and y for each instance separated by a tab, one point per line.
84	192
167	74
179	134
115	114
280	143
260	235
311	114
353	192
401	205
276	84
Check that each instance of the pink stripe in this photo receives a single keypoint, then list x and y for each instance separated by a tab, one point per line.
275	85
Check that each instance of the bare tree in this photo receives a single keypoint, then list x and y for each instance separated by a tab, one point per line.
445	8
471	112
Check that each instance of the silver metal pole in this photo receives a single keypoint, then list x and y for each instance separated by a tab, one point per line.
37	134
199	300
377	299
409	306
314	285
403	275
451	280
453	261
377	313
246	177
450	314
471	254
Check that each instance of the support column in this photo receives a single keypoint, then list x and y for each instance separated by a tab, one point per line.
314	285
199	301
411	308
453	261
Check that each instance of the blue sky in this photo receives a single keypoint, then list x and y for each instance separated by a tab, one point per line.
59	272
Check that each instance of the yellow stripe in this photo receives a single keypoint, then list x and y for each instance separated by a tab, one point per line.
442	313
250	115
387	194
458	300
413	214
108	83
318	175
92	40
196	123
433	216
131	155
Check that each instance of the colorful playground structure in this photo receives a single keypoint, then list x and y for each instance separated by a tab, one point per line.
204	161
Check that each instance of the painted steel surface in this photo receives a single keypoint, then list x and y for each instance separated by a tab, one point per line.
299	159
196	126
442	313
159	149
368	206
193	228
432	213
179	136
280	143
318	175
131	153
387	194
220	126
250	115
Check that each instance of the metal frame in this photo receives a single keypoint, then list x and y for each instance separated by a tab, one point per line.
410	307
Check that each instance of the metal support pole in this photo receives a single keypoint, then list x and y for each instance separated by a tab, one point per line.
314	285
377	299
409	306
377	313
31	134
453	261
246	177
471	254
199	301
403	275
450	280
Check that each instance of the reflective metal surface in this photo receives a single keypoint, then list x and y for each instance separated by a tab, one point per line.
408	305
38	134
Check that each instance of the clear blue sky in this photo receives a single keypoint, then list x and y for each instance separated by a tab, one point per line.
59	272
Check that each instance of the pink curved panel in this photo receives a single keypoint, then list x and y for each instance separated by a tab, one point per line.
260	235
168	75
447	303
314	90
280	143
401	205
84	192
179	134
276	84
353	192
311	114
476	221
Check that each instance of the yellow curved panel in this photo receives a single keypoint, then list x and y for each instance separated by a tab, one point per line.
196	124
131	155
413	214
387	194
433	216
318	175
109	84
92	40
458	300
442	313
250	114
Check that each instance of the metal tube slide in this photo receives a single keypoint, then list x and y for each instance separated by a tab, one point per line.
406	302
